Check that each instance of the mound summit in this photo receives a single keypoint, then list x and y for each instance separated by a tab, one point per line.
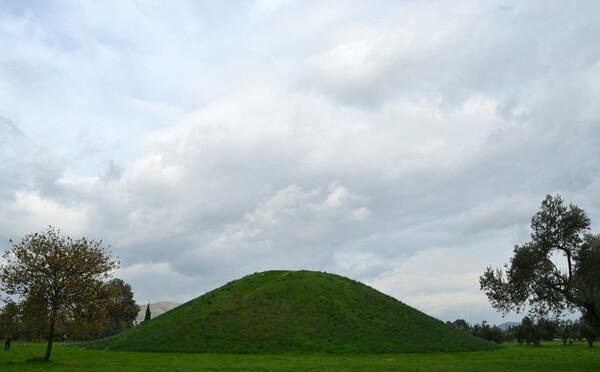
294	311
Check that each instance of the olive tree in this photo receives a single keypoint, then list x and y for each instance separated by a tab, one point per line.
61	275
557	271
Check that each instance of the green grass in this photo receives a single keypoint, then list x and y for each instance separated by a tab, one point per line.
294	311
548	357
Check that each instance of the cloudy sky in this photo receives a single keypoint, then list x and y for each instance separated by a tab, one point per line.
405	144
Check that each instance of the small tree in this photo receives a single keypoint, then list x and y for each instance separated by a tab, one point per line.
148	315
461	324
60	275
529	332
567	331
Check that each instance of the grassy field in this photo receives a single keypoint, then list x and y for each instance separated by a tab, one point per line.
548	357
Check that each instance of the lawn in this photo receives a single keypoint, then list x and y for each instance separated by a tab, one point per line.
548	357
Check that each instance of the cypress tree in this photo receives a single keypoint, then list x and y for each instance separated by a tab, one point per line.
148	313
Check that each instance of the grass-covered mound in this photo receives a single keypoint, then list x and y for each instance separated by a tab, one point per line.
294	311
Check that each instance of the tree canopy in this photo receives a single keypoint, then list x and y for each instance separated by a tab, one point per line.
121	309
557	271
59	276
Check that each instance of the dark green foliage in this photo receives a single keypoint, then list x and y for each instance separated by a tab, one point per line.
24	321
10	321
27	320
484	331
533	280
487	332
121	310
567	331
533	332
294	311
148	315
461	324
589	329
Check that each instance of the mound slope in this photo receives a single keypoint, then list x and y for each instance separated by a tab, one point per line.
294	311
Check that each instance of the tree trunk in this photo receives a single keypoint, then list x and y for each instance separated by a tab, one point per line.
590	342
50	339
48	349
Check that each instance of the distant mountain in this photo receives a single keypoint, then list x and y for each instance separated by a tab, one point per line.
505	326
156	309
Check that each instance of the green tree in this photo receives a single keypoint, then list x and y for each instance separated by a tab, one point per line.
121	309
34	316
60	275
10	321
589	329
587	286
567	331
534	280
533	331
487	332
461	324
148	315
529	332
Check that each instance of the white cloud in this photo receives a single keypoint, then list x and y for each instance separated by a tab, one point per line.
405	144
29	210
158	278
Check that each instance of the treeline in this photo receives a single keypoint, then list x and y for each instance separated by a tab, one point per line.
27	320
484	330
533	332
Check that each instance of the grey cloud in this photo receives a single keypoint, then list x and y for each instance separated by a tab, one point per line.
12	139
25	165
456	55
112	172
413	148
9	131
